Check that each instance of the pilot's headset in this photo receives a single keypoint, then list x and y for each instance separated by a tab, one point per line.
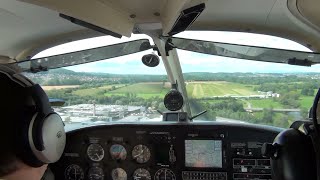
295	152
41	136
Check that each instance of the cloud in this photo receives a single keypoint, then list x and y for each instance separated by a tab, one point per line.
120	65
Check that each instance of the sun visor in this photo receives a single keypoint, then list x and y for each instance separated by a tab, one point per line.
92	11
186	18
174	12
84	56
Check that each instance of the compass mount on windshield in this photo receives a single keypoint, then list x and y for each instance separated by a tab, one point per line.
151	60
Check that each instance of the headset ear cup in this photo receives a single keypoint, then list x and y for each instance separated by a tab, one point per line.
23	146
37	132
51	130
54	137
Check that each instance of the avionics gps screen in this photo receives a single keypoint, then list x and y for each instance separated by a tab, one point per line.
203	153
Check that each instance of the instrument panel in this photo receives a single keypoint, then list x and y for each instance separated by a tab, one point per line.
166	151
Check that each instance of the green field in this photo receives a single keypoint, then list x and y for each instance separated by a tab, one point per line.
264	103
218	88
144	90
306	101
95	91
195	90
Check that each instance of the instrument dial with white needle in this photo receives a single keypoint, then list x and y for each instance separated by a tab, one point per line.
150	60
95	173
141	153
95	152
119	174
164	174
74	172
141	174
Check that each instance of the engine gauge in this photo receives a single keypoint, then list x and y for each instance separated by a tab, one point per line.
95	152
119	174
74	172
141	153
118	152
95	173
164	173
173	100
141	174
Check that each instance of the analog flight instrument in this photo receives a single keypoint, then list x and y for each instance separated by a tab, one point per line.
141	153
173	100
119	174
141	174
95	173
164	173
74	172
95	152
150	60
118	152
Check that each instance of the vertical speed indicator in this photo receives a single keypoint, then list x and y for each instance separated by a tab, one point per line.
141	174
95	173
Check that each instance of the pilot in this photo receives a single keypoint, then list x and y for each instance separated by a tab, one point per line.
31	134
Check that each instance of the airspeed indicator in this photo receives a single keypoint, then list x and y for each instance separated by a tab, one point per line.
95	152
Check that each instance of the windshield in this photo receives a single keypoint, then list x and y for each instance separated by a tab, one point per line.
120	89
248	91
123	89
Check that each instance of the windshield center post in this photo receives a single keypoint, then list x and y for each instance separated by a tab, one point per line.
173	68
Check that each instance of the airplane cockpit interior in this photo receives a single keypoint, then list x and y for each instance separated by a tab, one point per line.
167	89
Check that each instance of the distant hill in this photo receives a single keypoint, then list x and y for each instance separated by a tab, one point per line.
68	77
60	71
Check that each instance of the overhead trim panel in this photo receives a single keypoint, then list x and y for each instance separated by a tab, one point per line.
310	10
92	11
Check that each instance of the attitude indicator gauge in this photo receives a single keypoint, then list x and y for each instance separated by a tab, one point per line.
118	152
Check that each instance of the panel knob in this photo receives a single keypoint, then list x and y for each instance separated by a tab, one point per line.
269	150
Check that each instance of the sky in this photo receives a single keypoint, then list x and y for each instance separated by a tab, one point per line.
190	61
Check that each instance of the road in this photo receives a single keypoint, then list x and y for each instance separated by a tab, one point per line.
275	110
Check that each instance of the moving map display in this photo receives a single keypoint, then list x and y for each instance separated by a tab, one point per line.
203	153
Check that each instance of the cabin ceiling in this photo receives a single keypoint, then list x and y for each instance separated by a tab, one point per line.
30	26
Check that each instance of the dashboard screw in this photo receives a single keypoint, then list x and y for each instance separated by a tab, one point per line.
133	16
156	14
